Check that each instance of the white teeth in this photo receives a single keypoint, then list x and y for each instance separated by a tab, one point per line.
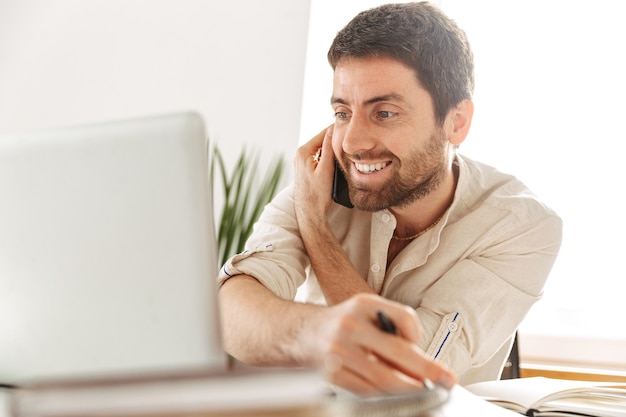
367	168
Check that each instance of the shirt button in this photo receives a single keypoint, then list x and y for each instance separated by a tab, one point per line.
375	268
453	326
385	218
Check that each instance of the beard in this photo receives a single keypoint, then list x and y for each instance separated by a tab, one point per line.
414	178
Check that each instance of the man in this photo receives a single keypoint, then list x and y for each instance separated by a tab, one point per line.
451	250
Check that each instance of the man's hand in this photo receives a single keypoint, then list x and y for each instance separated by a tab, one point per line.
314	168
343	340
357	355
313	165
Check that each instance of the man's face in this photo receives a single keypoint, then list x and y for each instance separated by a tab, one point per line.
385	135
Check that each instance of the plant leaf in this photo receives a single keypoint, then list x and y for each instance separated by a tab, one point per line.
244	198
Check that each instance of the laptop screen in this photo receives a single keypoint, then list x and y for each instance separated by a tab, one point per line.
107	250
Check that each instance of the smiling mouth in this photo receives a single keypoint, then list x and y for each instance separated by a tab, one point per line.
369	168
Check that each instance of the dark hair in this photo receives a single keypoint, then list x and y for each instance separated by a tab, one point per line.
422	37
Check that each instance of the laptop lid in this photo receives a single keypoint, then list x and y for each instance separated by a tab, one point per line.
107	250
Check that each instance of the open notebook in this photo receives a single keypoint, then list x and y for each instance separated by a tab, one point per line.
549	397
107	251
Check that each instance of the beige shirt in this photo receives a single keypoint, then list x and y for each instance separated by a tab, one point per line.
471	279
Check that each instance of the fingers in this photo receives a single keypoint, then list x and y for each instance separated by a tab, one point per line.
410	360
327	155
364	359
317	150
403	353
353	382
313	167
365	373
405	320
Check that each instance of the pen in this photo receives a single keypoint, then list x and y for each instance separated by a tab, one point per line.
386	325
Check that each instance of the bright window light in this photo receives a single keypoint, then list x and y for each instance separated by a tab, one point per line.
550	90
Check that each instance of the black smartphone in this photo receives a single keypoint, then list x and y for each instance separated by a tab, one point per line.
340	188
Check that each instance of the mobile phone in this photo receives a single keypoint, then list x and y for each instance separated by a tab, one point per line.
340	188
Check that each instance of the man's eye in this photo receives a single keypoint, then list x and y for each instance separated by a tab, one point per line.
385	114
341	115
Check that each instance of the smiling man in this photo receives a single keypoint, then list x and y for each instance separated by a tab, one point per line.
453	251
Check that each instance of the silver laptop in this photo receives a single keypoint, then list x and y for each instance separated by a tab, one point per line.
107	251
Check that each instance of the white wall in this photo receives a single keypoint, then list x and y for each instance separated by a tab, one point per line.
239	63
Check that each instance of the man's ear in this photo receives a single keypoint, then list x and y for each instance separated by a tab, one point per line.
460	120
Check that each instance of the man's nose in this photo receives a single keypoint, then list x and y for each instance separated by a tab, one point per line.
358	136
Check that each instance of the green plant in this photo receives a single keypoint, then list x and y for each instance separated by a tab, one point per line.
244	197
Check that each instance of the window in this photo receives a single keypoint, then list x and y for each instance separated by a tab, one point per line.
550	90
